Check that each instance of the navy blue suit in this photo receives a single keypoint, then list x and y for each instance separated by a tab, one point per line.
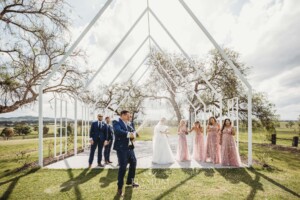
125	152
98	134
109	137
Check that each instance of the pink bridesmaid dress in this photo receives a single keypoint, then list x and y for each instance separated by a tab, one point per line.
199	148
213	150
229	153
182	148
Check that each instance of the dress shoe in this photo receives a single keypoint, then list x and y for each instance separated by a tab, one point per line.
100	165
109	161
134	185
120	192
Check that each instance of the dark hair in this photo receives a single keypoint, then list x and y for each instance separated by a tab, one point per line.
198	122
124	112
209	123
224	124
106	118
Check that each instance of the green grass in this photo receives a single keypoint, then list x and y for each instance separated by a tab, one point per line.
281	182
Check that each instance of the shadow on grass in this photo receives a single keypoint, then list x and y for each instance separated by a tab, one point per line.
274	182
191	175
13	182
112	175
242	175
74	182
163	173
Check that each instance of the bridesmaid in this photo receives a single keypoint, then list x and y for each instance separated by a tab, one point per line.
199	148
229	153
182	148
213	152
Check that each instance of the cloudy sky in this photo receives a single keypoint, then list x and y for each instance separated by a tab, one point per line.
266	33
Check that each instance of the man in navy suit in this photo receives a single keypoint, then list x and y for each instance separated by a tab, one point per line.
124	146
108	141
98	134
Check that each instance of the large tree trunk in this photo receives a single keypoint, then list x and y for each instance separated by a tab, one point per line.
175	107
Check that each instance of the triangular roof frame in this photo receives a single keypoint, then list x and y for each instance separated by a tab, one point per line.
148	11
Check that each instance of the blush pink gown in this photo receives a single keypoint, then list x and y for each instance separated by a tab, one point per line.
229	153
182	148
199	148
213	150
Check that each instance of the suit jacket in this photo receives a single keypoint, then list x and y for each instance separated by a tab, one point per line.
98	132
131	124
110	132
120	130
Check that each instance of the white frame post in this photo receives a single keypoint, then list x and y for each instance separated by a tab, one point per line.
55	127
55	68
75	126
66	128
60	129
82	126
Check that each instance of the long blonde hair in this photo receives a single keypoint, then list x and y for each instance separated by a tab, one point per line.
181	123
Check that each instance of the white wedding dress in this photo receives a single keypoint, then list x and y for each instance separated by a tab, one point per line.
162	153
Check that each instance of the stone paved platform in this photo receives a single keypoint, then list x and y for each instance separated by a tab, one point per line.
143	151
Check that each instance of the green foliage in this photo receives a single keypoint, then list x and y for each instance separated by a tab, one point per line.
69	130
45	130
298	122
7	132
22	157
35	127
290	124
22	129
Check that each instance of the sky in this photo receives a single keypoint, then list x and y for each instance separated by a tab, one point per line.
265	33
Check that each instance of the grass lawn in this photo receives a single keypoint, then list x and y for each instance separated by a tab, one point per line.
280	180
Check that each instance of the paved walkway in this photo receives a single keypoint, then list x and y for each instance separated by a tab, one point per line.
143	151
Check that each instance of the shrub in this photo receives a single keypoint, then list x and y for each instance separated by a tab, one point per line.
7	133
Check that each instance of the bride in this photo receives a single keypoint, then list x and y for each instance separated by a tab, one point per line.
162	153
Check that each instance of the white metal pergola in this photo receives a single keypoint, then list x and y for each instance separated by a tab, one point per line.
86	108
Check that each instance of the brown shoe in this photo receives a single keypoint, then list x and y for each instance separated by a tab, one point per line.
120	192
90	166
110	161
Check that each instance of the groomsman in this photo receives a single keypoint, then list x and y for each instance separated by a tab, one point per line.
125	151
98	134
108	141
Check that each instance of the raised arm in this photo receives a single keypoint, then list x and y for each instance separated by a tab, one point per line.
119	131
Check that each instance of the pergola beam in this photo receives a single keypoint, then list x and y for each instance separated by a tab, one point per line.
235	69
131	76
128	61
116	48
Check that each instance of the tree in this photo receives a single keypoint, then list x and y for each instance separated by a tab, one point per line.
69	130
155	88
33	39
291	124
7	132
22	129
114	97
298	122
45	130
218	73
